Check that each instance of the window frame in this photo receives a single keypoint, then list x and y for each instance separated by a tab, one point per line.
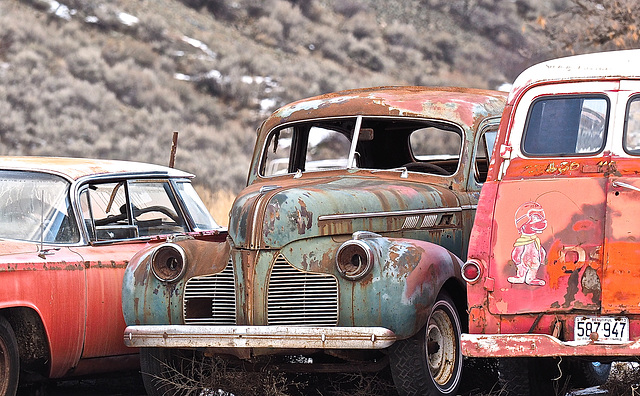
554	97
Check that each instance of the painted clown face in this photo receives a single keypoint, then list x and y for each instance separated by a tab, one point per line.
530	219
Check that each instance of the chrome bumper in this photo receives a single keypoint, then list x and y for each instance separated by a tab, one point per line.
279	337
539	345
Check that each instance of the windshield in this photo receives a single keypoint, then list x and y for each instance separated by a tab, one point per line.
202	220
35	207
419	145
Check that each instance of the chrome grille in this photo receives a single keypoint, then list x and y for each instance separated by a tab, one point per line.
211	299
298	298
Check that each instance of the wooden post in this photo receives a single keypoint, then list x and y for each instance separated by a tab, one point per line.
174	147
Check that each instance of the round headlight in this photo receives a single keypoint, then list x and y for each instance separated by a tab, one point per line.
354	260
168	262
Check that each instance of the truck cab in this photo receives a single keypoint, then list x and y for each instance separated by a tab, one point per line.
551	270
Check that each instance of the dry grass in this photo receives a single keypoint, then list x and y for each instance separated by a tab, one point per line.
218	202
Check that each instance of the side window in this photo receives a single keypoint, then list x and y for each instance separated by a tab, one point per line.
314	148
105	212
277	152
124	210
326	149
566	126
435	150
632	132
155	211
483	154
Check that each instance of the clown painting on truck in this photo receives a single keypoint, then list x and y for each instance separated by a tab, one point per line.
552	270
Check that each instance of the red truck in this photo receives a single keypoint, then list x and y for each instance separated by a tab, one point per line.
552	270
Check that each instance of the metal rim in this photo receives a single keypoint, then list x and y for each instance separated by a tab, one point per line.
441	346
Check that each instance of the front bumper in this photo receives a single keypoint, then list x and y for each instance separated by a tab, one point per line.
278	337
539	345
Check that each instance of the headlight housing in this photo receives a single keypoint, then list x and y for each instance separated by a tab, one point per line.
354	260
168	262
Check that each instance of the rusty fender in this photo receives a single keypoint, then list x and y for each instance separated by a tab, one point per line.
400	289
148	300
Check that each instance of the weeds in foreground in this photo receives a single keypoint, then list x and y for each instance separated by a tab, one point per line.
202	376
624	379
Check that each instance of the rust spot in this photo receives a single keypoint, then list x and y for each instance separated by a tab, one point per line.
304	218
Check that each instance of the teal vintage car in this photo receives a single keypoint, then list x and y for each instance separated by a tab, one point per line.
345	247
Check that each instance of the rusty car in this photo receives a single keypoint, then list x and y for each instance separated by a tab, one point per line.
68	228
345	248
551	272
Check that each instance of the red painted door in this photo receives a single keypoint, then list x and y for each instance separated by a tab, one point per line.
620	291
548	226
105	266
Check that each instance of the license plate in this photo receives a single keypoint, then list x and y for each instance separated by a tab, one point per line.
602	329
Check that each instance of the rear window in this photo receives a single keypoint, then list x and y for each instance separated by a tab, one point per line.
568	125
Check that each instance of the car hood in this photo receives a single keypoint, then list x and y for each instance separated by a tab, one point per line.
272	215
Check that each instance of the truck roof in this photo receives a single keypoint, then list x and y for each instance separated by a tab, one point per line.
459	105
613	65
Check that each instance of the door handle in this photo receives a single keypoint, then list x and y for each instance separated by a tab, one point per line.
625	185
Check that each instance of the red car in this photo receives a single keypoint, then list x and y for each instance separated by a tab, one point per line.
68	228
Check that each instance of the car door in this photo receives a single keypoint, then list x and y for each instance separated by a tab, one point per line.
549	213
622	244
119	215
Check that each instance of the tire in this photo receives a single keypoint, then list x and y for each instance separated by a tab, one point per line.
531	377
585	374
430	362
168	372
9	359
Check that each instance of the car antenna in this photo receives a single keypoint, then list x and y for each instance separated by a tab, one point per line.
174	147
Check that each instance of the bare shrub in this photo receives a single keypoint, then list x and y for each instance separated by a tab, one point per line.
288	16
6	42
624	379
366	54
87	64
362	25
400	34
214	375
349	8
115	51
268	31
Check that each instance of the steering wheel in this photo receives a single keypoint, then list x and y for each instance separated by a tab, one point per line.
426	167
162	209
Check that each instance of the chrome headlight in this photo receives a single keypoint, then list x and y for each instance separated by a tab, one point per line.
168	262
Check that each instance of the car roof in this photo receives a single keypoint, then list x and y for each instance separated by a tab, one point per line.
463	106
76	168
612	65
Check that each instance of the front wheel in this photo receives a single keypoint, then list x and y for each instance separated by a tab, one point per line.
9	359
430	362
168	371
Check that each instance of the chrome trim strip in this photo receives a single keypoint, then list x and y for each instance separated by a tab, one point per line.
347	216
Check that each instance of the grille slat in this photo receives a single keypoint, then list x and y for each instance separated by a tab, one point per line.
297	298
211	299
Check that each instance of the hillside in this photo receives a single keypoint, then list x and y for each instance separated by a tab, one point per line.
114	79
